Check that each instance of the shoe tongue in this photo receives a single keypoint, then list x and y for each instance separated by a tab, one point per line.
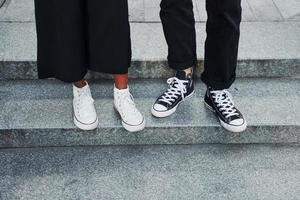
181	75
122	91
84	91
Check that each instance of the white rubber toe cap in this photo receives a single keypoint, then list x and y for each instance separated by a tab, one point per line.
160	107
236	126
237	122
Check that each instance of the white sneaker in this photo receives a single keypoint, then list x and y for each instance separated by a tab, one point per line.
85	116
132	119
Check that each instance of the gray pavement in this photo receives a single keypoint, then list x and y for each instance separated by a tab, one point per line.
267	49
148	10
259	40
206	172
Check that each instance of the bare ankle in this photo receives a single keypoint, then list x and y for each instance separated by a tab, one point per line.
80	83
121	81
188	70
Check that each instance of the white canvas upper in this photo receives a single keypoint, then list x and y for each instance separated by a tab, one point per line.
85	116
132	119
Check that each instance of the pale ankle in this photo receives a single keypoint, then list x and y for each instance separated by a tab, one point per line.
188	70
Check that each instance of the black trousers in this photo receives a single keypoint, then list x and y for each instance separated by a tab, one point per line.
221	46
76	35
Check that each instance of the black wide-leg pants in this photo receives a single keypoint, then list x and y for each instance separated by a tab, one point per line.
77	35
221	46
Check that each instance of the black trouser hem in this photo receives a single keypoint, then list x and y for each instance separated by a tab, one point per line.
123	70
63	77
182	66
217	85
78	77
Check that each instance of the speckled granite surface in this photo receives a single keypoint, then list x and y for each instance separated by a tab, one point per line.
38	113
230	172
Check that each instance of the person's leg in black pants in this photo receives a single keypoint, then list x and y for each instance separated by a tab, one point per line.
178	22
221	46
75	36
179	28
221	51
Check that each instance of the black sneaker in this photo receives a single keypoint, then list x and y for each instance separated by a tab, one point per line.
221	103
181	87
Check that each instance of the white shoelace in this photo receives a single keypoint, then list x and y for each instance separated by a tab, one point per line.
177	87
84	103
224	100
128	104
130	101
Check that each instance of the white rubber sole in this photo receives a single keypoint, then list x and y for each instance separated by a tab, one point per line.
86	127
231	128
234	129
162	114
134	128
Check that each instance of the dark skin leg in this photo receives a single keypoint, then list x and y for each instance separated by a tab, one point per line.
80	83
121	81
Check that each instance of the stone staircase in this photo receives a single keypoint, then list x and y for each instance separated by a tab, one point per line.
187	156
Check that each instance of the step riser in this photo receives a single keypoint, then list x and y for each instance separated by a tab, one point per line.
150	136
160	69
205	172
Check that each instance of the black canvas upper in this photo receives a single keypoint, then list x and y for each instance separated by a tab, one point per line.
210	101
189	85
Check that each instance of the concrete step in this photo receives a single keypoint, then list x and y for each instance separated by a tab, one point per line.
248	172
39	113
267	49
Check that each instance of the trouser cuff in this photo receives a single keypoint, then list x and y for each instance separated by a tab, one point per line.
183	65
217	84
